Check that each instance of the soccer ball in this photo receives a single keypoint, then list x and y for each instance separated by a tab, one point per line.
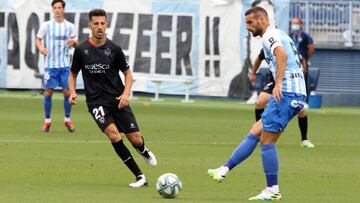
168	185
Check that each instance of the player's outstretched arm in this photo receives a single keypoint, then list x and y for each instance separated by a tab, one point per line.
72	88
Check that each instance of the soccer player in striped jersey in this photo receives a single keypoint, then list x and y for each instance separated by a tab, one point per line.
264	97
59	35
287	100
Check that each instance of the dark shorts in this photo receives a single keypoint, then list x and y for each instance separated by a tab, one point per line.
124	118
269	87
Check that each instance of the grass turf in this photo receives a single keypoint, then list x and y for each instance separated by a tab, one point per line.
187	139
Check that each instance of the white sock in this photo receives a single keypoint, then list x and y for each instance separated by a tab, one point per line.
47	120
224	170
66	119
273	189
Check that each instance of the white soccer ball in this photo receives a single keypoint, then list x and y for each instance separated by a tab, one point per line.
168	185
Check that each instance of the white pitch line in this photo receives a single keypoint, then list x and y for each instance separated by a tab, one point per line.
54	141
105	142
151	142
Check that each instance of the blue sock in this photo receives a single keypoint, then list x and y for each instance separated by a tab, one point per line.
270	163
47	106
243	151
67	107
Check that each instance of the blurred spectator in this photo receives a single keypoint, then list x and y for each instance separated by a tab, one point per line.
304	44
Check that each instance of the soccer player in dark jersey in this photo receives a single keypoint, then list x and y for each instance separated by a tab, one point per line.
100	61
264	97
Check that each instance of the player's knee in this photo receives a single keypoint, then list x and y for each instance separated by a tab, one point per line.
256	128
48	92
66	92
113	135
135	138
267	140
260	104
302	113
262	100
114	138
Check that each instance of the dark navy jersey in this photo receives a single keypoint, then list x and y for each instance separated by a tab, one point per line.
100	68
301	42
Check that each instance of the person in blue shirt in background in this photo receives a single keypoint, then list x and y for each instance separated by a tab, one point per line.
304	44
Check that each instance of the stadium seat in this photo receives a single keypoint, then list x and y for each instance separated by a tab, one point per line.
313	78
262	78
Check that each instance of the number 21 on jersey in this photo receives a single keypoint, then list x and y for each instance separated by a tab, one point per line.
98	112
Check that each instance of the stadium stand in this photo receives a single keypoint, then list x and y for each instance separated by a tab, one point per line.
335	28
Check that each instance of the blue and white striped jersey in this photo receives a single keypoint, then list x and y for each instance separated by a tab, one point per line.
293	81
56	34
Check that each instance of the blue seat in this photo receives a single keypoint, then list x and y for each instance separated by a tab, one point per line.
313	78
262	78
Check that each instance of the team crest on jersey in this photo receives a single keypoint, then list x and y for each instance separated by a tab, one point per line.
107	52
86	52
102	119
132	125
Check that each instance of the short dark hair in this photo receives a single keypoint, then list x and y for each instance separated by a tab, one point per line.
257	11
97	12
58	1
256	2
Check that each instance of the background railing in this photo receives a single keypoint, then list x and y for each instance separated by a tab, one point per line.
332	24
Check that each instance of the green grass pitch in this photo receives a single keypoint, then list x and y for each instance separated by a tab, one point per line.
187	139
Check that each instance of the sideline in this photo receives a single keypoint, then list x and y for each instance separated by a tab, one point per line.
106	142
